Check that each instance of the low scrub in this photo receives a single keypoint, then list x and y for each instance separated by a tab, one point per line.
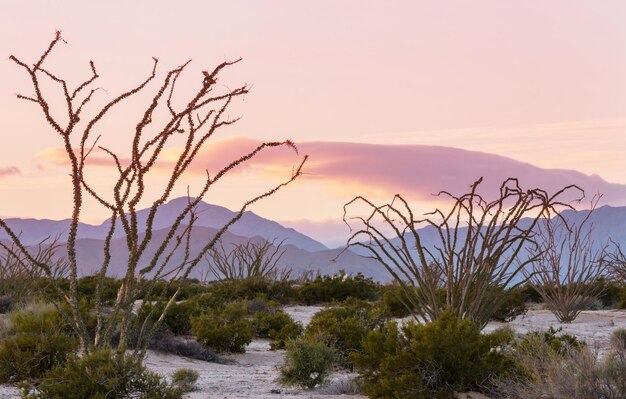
512	304
338	288
185	380
345	326
280	291
37	340
432	360
394	301
276	325
308	363
226	330
101	375
552	338
575	373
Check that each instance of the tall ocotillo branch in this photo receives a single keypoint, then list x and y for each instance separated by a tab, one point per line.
202	114
477	245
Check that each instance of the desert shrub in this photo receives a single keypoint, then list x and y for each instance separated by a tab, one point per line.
179	315
185	379
276	325
394	301
308	363
166	289
39	340
223	330
557	341
618	339
430	360
574	374
345	326
86	287
512	305
249	288
622	298
530	294
337	288
611	294
261	304
6	304
161	339
102	374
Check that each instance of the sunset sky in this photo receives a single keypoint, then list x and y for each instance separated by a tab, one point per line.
369	90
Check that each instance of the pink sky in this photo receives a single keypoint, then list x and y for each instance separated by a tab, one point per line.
539	82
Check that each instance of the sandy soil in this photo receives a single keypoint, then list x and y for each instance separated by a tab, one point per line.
252	375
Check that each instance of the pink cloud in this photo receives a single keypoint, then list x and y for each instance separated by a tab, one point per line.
415	171
213	157
418	171
9	171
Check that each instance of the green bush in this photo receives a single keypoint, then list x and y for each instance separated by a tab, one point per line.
179	315
622	298
431	360
337	288
87	288
226	330
251	287
177	318
394	301
512	305
559	343
39	340
345	326
308	363
185	380
102	375
530	294
276	325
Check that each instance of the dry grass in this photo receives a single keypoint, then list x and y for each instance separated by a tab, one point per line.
576	374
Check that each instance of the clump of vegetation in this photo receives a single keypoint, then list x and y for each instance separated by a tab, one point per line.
512	304
6	304
308	362
225	330
394	301
618	339
276	325
431	360
550	371
102	374
185	380
281	291
345	326
553	338
38	340
338	288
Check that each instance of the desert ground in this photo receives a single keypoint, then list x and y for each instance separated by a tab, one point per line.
253	374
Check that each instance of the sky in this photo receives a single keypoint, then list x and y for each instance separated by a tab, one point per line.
370	89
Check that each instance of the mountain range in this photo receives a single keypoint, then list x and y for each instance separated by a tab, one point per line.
301	252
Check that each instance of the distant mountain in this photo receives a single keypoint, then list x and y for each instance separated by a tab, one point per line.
34	231
327	261
301	252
